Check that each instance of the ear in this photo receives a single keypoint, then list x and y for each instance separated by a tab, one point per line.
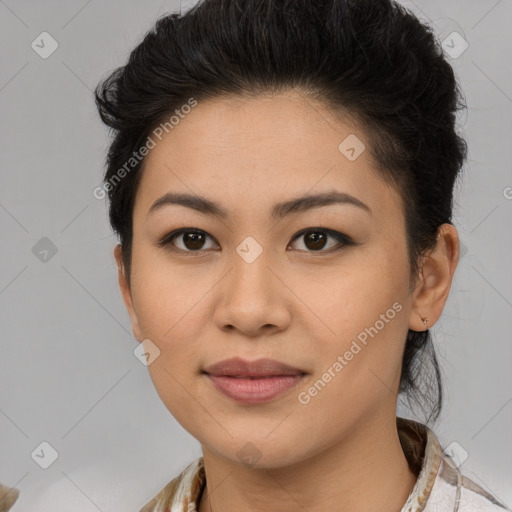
126	293
435	279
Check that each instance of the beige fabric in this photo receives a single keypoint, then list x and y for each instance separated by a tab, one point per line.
8	496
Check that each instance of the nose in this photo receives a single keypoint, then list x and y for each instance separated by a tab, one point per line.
253	298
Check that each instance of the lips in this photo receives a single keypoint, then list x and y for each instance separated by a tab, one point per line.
253	382
237	367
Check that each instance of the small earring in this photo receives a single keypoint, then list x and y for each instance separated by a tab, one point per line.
425	320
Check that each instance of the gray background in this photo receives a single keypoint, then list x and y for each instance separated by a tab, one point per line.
68	375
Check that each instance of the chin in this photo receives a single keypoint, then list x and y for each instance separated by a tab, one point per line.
259	453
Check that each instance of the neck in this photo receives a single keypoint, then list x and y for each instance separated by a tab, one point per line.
368	458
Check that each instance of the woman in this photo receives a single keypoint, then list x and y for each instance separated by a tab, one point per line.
281	179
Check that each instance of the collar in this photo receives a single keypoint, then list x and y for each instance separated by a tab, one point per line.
424	455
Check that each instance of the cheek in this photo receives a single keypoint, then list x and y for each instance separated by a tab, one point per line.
171	310
362	316
169	297
352	295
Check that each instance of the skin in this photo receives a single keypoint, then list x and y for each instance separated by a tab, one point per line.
295	304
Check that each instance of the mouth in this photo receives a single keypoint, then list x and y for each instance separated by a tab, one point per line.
253	382
261	368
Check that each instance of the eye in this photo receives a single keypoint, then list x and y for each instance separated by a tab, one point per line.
315	239
193	240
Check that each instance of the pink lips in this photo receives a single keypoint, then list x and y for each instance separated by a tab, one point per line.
253	381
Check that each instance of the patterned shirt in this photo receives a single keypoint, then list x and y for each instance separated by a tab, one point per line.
440	486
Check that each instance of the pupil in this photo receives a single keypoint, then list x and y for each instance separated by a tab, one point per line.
195	239
318	239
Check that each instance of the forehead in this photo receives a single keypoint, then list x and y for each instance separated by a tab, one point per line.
250	152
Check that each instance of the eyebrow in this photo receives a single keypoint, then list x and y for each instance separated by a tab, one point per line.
279	210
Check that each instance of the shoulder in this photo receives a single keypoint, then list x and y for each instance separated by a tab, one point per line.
156	503
454	491
181	492
440	487
8	495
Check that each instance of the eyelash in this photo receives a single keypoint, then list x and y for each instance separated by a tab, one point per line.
344	240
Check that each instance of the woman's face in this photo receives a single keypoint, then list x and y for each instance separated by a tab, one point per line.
253	287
